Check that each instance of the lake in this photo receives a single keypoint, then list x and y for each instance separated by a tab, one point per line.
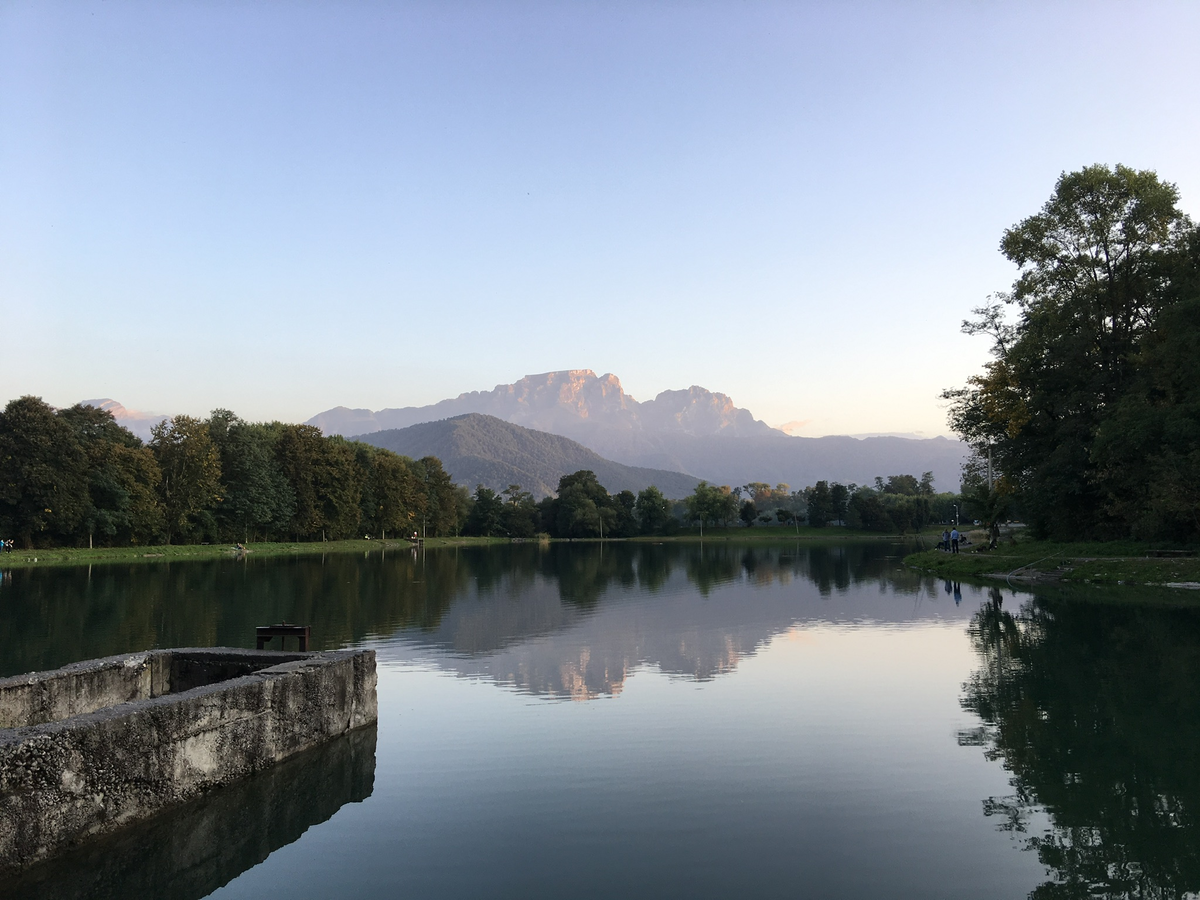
666	720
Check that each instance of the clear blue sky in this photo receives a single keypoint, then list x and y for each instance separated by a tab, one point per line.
282	207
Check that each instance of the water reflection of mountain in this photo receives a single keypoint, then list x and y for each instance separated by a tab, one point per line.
562	619
1094	707
577	623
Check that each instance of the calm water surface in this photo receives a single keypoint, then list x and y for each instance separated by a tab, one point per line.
667	721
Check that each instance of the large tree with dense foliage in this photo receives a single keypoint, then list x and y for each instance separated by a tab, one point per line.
121	504
256	498
709	504
1106	264
653	510
583	507
520	514
43	472
190	483
486	518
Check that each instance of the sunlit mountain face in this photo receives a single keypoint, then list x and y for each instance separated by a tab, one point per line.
696	431
575	402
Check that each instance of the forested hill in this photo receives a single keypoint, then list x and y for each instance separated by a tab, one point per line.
485	450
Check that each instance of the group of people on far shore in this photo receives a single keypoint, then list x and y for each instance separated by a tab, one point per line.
6	545
950	540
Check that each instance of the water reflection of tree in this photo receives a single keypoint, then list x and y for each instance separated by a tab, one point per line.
1095	710
53	616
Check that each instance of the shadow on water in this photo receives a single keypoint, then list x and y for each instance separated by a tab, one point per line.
1092	703
53	616
191	851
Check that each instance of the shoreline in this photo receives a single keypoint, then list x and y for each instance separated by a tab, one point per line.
1045	562
82	556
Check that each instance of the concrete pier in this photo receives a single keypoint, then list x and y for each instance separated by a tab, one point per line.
94	747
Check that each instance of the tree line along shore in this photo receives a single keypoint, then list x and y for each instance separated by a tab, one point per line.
75	478
1085	425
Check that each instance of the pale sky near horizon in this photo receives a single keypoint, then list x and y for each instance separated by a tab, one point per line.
280	208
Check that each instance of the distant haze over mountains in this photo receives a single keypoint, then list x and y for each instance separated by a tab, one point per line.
477	449
695	431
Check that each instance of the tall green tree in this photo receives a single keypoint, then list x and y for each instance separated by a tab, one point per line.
122	477
43	473
839	501
487	513
1147	452
625	523
519	517
653	510
256	498
709	505
389	490
583	508
1096	266
442	508
820	504
299	450
339	487
191	475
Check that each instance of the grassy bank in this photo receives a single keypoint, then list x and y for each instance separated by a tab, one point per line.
179	552
779	535
1117	562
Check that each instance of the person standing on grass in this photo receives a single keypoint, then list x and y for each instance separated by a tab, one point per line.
954	541
945	544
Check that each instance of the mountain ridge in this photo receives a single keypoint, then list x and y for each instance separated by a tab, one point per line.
694	431
570	400
479	449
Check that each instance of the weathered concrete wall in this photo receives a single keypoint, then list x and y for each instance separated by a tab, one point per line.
85	687
79	688
94	772
188	852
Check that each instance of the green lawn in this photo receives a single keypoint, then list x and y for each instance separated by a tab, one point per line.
1115	562
168	553
777	533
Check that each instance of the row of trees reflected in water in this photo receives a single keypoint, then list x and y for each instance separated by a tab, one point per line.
1093	705
53	616
1091	700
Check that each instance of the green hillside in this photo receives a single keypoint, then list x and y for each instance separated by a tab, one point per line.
477	449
